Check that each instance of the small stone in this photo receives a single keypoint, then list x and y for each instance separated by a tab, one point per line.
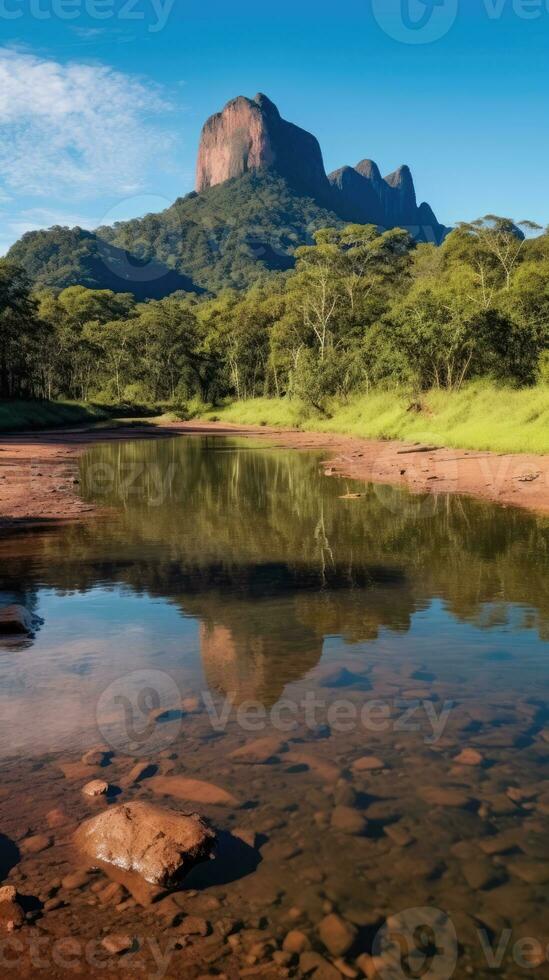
225	927
367	763
296	942
260	751
53	903
336	934
469	757
345	794
479	873
281	958
367	964
345	969
95	757
78	879
56	818
445	796
533	872
140	771
11	914
116	945
323	970
35	844
348	821
522	795
500	843
192	925
399	834
97	787
112	894
295	913
191	705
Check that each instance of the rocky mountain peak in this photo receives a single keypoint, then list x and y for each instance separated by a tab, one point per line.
370	170
250	134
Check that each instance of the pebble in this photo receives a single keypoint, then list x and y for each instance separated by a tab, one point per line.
469	757
479	873
533	872
444	796
348	821
56	818
97	787
95	757
367	763
336	934
296	942
53	903
368	965
323	970
260	751
140	771
116	945
75	880
112	894
399	835
192	925
35	844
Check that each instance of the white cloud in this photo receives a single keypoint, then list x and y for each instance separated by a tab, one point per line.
76	130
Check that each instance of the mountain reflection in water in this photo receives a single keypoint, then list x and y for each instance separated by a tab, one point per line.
254	546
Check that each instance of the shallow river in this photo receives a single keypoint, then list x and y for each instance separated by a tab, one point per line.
383	656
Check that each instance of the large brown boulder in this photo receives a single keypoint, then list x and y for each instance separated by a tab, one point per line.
160	845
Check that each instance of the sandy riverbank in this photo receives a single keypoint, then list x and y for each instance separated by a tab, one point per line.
39	471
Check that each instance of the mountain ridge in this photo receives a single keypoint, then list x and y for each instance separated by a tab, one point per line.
263	191
250	134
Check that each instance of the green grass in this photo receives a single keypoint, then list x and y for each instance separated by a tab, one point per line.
18	416
481	416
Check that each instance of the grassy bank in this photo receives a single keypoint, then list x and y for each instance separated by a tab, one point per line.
16	416
480	416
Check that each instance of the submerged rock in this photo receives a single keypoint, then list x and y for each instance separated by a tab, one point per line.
15	620
193	790
11	913
97	787
260	751
116	945
160	845
469	757
336	934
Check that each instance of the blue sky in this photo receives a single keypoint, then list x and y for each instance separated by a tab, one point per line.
102	101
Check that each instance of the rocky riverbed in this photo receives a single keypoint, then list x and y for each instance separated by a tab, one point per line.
323	838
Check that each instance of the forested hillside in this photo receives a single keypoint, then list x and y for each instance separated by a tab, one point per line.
61	257
360	310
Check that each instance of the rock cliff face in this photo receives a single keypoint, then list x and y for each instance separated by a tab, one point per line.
250	134
365	196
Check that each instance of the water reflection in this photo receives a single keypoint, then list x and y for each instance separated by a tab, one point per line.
257	547
240	571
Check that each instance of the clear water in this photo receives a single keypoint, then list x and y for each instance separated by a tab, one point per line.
228	574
